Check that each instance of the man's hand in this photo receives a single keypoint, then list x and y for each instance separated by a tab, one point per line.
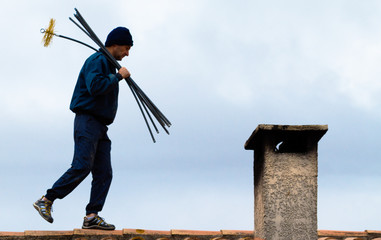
124	72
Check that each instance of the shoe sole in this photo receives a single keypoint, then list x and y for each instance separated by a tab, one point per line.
42	215
98	227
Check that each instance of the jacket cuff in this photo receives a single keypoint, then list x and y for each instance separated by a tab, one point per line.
119	76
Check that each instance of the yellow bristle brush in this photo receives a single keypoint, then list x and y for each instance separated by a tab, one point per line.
48	33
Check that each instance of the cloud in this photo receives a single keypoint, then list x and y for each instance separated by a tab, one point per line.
216	70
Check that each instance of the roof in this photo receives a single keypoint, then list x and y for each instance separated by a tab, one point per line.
140	234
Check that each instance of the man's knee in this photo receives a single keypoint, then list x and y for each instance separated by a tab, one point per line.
104	176
81	169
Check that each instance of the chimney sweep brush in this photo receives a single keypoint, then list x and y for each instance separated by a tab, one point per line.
141	98
49	33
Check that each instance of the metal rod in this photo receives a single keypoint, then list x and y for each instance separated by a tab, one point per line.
72	39
145	119
79	26
168	123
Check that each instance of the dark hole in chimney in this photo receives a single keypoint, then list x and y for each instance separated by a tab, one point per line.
291	145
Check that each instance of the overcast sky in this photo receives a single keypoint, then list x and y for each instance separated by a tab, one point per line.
216	69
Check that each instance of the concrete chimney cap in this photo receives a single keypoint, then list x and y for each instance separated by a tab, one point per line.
314	131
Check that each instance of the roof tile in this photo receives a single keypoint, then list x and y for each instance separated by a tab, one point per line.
145	232
195	232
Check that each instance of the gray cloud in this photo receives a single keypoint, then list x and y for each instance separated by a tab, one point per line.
216	70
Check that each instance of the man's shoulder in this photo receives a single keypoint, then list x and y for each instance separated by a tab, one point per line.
96	57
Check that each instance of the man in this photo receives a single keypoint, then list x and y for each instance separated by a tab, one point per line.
95	102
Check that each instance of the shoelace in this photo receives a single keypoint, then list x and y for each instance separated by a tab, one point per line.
47	207
100	221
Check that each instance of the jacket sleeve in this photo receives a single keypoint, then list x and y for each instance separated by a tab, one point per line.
99	80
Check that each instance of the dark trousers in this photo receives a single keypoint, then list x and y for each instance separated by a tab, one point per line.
91	154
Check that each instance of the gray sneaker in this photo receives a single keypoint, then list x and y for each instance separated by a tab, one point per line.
44	208
97	223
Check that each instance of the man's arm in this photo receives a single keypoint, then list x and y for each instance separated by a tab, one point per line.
99	82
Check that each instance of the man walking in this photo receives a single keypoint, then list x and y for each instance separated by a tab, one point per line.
94	102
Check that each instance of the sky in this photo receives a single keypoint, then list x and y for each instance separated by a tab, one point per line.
216	69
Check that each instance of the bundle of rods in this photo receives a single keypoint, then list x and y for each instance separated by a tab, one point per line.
141	98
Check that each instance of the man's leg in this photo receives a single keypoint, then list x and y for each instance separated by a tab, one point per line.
86	135
102	176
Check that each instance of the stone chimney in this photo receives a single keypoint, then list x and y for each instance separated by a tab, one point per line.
285	180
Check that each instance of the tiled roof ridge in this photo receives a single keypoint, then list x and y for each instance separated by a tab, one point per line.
130	234
141	234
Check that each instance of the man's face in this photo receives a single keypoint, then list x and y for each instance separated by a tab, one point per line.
120	51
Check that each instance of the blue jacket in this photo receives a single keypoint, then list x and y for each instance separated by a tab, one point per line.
97	89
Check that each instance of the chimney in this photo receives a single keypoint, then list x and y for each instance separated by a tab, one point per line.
285	180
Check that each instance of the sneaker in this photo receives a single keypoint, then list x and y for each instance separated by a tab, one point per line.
97	223
44	208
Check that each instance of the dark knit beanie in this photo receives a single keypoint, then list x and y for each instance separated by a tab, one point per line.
119	36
